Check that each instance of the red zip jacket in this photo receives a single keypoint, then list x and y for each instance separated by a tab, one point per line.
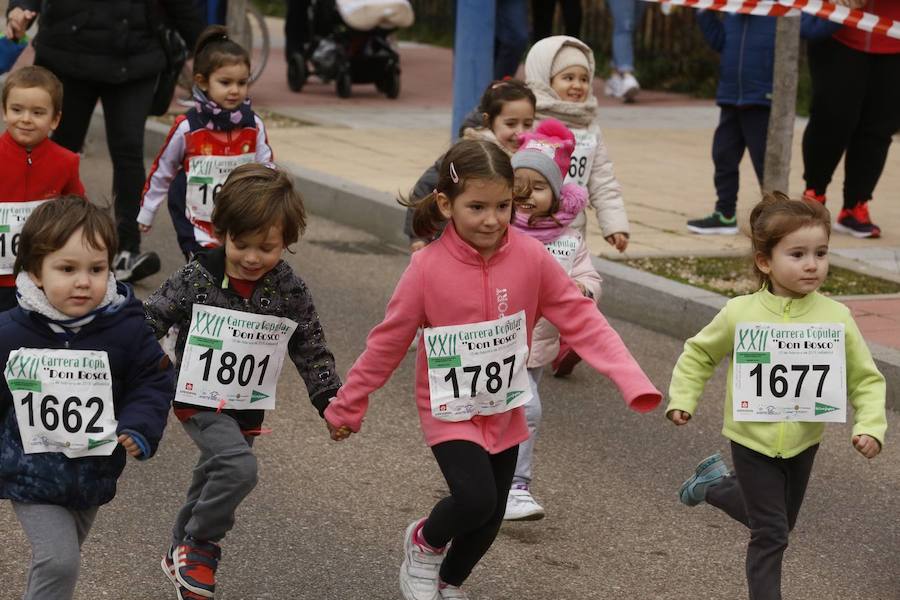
46	171
873	43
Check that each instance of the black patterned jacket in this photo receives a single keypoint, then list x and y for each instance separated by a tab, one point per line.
279	293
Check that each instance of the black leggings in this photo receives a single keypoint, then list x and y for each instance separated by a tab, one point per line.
765	494
855	109
471	515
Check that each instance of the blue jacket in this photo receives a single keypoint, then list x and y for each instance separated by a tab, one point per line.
747	46
143	387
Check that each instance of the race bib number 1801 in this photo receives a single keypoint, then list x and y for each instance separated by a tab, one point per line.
232	359
63	401
477	368
789	372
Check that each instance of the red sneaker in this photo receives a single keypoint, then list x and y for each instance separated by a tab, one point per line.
195	566
856	222
811	194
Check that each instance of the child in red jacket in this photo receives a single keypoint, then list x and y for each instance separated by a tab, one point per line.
33	169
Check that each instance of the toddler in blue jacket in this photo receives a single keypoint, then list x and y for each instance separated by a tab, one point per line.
85	383
746	44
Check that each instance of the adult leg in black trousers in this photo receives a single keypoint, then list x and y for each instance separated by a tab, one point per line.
542	13
727	152
296	27
571	10
755	129
879	120
471	516
765	495
839	78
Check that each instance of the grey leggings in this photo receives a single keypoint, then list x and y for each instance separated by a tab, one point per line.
226	472
56	534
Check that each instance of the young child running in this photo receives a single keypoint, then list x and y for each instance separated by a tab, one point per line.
477	291
204	145
560	71
540	166
505	111
34	168
84	383
227	369
797	358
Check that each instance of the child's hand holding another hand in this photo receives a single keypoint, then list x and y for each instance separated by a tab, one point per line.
619	240
338	434
130	446
679	417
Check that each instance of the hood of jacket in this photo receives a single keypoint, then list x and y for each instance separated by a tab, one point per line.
537	76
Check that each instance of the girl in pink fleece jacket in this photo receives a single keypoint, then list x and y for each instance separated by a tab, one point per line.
477	292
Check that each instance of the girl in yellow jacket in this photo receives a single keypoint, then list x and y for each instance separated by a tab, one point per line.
797	358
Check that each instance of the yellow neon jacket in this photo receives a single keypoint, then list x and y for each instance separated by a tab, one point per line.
703	352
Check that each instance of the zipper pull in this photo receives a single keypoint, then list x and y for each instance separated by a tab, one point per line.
28	158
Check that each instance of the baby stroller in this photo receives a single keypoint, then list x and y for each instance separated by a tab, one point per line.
346	41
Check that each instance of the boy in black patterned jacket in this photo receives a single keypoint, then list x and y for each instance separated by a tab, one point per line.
239	308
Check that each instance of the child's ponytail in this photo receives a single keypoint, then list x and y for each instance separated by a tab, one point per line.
467	160
214	49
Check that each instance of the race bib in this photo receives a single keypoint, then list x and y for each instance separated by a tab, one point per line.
582	157
789	372
232	359
206	175
63	401
477	368
12	218
563	249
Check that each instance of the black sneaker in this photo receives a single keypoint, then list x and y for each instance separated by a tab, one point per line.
856	222
134	267
715	223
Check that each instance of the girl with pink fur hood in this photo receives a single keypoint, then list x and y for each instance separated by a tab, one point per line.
546	215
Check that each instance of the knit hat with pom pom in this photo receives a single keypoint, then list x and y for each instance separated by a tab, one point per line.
547	150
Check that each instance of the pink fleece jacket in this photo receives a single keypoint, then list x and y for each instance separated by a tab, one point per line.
449	283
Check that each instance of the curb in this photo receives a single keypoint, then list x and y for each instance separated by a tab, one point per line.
654	302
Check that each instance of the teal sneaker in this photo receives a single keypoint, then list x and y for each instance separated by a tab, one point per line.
711	471
715	223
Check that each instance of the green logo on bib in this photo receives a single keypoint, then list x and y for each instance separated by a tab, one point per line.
4	228
510	396
257	396
95	443
821	409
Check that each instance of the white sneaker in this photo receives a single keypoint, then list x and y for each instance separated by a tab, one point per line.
451	592
613	86
419	571
630	88
521	506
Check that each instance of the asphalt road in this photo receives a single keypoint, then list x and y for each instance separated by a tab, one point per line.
326	520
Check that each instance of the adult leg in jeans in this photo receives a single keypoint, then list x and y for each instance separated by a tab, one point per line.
511	37
626	15
471	516
125	109
56	534
755	130
879	120
839	76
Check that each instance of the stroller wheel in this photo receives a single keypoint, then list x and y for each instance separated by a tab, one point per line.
390	85
296	72
344	84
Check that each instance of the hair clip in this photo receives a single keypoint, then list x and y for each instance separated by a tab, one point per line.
453	176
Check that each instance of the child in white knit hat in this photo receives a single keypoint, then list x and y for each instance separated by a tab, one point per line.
560	72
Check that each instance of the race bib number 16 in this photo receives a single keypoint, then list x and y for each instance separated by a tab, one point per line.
63	401
789	372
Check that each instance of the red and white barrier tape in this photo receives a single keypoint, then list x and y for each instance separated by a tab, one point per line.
850	17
